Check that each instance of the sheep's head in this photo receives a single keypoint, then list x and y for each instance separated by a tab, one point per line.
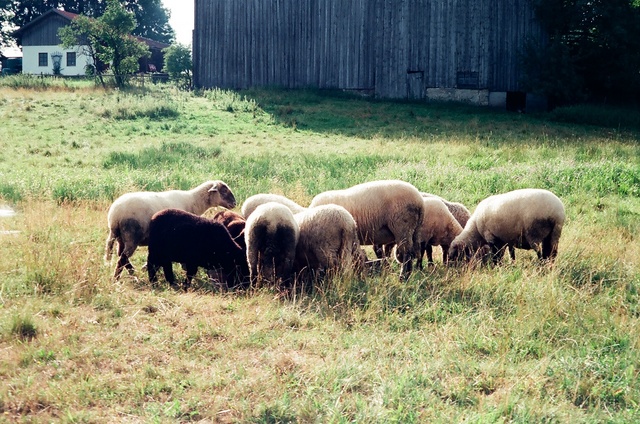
463	252
459	252
219	194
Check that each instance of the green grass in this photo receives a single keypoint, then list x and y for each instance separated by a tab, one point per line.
513	343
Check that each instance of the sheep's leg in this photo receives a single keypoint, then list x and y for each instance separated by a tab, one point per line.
167	268
404	254
378	249
191	271
512	252
550	244
407	268
152	270
497	251
445	253
111	239
429	250
123	262
126	248
423	247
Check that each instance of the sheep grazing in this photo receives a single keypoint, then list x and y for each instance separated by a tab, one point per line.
526	219
328	241
235	224
271	235
386	212
439	228
130	214
194	241
256	200
459	212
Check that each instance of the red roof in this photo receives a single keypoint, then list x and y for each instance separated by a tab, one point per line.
66	14
71	16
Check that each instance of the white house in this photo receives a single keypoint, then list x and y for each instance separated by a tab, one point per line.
41	47
42	52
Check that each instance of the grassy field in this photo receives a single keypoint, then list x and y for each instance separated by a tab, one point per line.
514	343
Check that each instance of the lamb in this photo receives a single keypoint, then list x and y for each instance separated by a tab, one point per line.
459	212
387	211
256	200
271	235
235	224
439	228
194	241
130	214
328	241
527	219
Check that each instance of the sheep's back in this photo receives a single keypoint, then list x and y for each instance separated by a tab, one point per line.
179	236
256	200
373	204
439	224
507	215
142	205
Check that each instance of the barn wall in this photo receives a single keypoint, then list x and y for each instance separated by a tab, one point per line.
394	48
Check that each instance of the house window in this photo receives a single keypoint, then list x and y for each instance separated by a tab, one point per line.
71	58
43	59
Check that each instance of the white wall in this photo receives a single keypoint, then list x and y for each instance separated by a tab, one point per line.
30	60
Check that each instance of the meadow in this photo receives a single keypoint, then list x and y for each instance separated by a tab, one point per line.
518	342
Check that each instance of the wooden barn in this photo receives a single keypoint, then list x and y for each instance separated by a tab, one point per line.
415	49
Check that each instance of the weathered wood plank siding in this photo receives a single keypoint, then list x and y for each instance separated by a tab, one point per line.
45	33
395	48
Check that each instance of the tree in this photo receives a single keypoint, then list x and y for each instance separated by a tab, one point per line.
593	50
151	17
108	40
178	64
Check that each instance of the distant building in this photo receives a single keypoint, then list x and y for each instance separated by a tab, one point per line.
465	50
42	52
10	60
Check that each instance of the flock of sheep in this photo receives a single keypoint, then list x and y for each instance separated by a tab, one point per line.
276	240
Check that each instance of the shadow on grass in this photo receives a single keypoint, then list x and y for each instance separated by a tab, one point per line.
338	112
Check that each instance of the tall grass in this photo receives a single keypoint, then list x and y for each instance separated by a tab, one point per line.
518	342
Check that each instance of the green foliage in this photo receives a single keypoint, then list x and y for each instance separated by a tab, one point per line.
549	70
151	16
169	154
593	51
178	64
108	41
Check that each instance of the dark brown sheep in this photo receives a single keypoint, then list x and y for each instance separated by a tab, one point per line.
194	241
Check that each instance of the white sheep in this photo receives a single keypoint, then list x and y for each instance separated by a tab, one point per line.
460	213
256	200
271	235
328	241
388	211
526	219
130	214
458	210
439	228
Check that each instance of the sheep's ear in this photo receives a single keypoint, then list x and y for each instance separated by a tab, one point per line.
213	188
